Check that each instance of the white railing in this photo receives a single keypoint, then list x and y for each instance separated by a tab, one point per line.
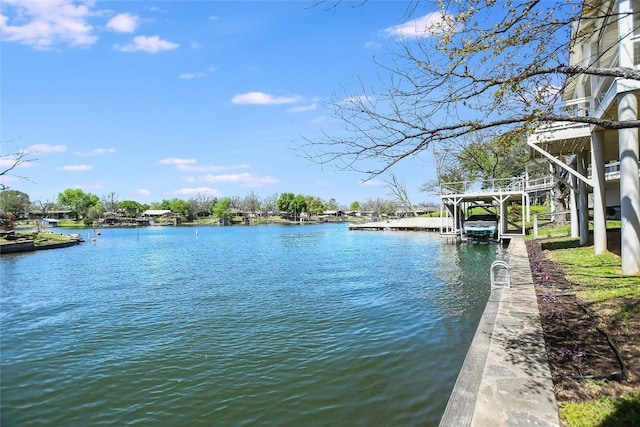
537	184
492	185
611	170
579	107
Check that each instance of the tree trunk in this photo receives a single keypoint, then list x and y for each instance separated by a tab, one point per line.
560	197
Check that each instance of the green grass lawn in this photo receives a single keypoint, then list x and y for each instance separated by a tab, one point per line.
40	239
600	275
601	280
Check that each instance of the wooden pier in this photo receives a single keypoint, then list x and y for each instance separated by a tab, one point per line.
405	224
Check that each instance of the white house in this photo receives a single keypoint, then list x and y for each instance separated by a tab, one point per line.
614	42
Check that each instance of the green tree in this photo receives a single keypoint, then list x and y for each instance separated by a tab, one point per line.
222	209
285	202
354	206
298	205
77	201
314	205
181	207
332	205
15	202
165	204
131	208
93	214
494	159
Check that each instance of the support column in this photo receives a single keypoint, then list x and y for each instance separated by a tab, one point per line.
573	207
597	171
629	185
583	200
504	217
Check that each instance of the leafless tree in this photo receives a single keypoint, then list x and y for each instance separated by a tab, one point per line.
110	203
9	162
269	204
399	192
476	66
251	203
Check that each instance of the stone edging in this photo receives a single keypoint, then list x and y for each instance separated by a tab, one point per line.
505	379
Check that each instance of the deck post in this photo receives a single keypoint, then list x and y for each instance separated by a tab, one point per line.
583	208
629	185
597	171
573	208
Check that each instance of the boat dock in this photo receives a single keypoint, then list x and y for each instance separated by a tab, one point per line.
405	224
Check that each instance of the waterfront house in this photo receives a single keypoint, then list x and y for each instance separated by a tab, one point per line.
604	162
49	222
162	216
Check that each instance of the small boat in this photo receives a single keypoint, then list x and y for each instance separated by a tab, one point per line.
483	226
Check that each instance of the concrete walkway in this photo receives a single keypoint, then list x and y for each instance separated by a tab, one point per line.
505	379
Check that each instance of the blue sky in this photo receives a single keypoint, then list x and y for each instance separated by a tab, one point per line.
165	99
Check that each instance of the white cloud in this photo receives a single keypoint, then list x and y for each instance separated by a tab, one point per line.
44	24
246	179
426	25
362	99
197	75
206	191
152	44
373	183
176	161
261	98
75	168
46	149
372	45
214	18
190	165
303	108
7	162
199	168
8	180
143	192
123	23
97	152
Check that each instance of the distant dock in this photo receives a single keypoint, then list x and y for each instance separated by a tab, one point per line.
405	224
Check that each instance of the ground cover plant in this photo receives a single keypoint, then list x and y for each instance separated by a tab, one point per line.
590	316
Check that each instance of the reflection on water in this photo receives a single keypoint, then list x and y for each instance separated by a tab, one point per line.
299	325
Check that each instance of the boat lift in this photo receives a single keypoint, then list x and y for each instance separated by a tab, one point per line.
458	197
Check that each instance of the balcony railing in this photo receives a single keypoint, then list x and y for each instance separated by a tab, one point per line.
579	107
611	170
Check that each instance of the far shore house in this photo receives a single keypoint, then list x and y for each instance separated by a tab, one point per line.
55	214
49	222
165	214
604	163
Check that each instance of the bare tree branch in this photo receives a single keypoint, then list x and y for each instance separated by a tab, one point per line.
9	162
485	66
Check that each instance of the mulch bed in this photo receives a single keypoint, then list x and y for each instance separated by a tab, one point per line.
584	340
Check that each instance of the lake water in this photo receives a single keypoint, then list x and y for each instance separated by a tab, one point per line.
232	326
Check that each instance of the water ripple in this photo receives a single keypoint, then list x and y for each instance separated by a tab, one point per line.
238	326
